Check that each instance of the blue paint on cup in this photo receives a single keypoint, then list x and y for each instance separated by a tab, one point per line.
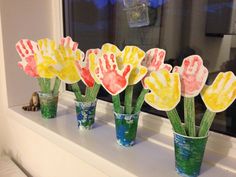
189	152
85	113
126	128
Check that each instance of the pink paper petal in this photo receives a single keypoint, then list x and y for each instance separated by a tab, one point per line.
27	49
193	75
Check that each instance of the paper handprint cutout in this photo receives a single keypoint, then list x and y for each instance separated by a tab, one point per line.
68	55
221	94
110	76
165	90
132	55
193	75
154	61
67	42
111	48
93	55
46	58
83	67
26	49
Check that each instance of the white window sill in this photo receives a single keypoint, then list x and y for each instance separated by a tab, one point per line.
151	155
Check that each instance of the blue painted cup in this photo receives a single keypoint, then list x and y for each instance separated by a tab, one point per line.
85	113
126	128
189	152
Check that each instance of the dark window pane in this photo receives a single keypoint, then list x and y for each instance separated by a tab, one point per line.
182	28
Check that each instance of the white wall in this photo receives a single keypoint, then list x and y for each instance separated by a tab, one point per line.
40	158
22	19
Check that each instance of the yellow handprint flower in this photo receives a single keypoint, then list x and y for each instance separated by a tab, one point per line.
132	55
67	56
165	90
46	58
221	94
111	48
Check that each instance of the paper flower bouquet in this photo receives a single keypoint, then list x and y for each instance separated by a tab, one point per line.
38	61
119	71
189	80
45	60
75	67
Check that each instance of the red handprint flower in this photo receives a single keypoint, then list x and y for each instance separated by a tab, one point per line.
83	67
111	78
26	49
154	61
193	75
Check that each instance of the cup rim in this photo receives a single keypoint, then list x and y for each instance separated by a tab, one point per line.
192	137
47	94
86	101
137	113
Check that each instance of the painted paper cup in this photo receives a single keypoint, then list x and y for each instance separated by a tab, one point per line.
48	105
85	113
126	128
189	152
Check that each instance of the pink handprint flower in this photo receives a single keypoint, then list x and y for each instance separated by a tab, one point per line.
68	42
193	75
154	61
110	76
26	49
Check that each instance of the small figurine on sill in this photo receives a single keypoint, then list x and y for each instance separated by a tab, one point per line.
34	104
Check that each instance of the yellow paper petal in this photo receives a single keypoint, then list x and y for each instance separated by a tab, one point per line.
132	55
46	71
165	90
221	94
92	66
106	48
69	73
66	66
137	74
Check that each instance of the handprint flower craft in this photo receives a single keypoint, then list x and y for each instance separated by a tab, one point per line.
132	55
110	76
165	90
27	49
68	54
46	58
165	95
85	65
154	61
221	94
193	75
217	98
38	60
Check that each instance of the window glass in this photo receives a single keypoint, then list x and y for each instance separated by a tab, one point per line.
182	28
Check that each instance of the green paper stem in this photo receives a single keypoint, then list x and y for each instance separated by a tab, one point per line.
175	121
128	99
45	85
77	92
140	100
88	93
56	86
116	103
95	91
189	116
40	84
92	92
206	122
